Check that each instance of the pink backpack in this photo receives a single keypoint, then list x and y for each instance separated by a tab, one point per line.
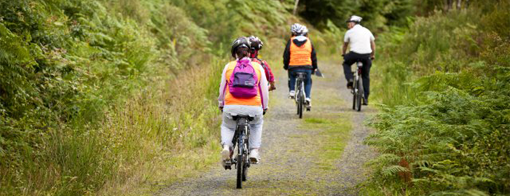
243	82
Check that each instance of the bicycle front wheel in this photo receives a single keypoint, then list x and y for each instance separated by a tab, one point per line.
245	170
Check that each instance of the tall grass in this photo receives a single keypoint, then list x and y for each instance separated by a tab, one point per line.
96	95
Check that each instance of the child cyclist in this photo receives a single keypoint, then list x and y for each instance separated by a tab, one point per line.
241	95
256	46
300	56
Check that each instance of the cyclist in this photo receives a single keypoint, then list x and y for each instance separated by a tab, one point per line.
362	45
232	101
300	56
256	45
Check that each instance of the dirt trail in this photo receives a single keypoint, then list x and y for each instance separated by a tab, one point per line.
294	150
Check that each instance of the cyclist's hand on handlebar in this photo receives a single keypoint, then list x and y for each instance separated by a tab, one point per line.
221	109
372	57
264	113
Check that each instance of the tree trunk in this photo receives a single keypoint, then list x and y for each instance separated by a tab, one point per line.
449	4
295	7
459	4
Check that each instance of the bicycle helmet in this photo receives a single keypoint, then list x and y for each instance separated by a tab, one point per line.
305	31
242	42
298	29
355	19
256	43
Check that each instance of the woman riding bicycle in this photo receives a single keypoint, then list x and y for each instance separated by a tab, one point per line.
243	91
300	56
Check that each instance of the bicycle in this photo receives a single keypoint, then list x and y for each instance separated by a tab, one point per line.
300	93
242	145
357	88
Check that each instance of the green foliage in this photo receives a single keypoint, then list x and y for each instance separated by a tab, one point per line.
444	85
81	85
453	138
377	14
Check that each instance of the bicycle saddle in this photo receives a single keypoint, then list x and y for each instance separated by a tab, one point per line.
302	74
236	116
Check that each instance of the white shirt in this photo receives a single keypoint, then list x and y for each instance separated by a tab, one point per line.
359	39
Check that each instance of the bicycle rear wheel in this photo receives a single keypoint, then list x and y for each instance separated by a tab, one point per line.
240	168
301	99
354	98
354	93
359	92
297	101
240	159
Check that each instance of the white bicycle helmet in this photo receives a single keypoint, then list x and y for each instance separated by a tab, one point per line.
305	30
298	29
355	19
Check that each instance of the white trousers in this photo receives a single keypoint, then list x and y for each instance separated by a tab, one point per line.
228	125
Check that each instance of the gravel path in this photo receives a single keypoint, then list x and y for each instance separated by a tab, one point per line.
290	151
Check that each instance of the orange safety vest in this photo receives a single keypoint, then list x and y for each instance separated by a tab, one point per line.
231	100
300	55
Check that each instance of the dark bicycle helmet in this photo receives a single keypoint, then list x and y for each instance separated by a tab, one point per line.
256	43
242	42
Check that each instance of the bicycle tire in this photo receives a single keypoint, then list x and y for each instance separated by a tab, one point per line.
240	160
300	104
296	99
359	94
245	171
240	165
354	97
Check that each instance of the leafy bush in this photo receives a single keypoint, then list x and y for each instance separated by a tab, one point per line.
453	139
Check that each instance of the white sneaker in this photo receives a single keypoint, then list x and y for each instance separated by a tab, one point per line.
308	104
292	94
254	156
225	153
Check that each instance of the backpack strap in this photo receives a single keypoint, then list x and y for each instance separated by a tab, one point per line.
261	63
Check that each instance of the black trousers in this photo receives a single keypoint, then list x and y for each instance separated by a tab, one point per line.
352	58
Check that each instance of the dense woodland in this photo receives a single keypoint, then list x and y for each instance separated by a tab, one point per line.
95	93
